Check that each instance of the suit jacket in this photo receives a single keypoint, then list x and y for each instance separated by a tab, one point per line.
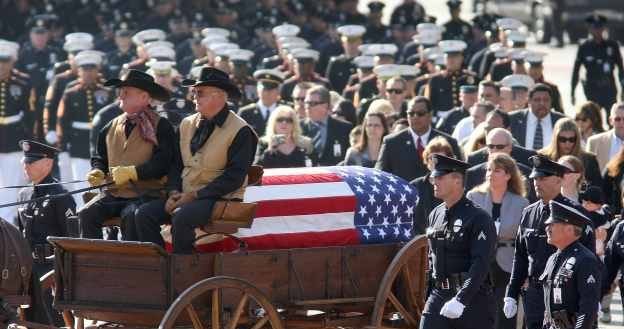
426	203
337	141
510	215
398	154
600	144
519	153
519	123
476	175
253	115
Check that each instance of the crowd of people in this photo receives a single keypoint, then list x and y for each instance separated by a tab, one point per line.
198	91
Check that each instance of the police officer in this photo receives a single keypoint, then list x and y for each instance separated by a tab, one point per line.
341	67
179	105
456	28
443	88
376	31
16	115
462	240
40	219
268	86
124	53
532	250
614	260
572	275
599	56
37	59
76	109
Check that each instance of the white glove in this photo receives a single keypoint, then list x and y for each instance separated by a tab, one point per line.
510	308
452	309
51	137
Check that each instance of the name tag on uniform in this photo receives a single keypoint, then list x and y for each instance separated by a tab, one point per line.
557	296
337	150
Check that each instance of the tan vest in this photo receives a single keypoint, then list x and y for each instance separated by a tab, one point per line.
210	160
131	151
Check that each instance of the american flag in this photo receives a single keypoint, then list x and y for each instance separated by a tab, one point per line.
323	206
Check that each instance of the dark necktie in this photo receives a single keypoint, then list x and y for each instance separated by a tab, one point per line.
419	146
319	143
201	135
538	139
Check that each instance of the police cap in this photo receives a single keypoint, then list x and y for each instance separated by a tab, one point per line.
34	151
544	167
468	89
592	194
454	4
376	6
596	20
443	165
561	213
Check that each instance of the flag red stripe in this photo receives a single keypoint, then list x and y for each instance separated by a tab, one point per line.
284	241
309	206
301	179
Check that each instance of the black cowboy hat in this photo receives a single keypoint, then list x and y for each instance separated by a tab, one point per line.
143	81
210	76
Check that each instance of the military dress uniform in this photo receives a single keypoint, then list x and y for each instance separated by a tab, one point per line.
443	89
76	110
462	241
571	278
532	251
37	221
16	95
339	69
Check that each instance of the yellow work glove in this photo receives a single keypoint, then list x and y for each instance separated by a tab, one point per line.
123	174
96	177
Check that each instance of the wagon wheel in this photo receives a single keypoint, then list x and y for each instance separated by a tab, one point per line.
205	298
400	298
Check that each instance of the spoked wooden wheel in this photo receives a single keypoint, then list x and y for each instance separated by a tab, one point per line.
400	298
202	306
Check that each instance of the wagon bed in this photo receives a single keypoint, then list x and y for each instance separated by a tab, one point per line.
140	285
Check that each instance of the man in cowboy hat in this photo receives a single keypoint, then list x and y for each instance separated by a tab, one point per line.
216	150
135	150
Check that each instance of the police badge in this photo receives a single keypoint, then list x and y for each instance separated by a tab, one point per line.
180	103
16	91
25	146
100	96
457	225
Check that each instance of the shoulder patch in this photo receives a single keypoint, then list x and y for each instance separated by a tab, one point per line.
591	279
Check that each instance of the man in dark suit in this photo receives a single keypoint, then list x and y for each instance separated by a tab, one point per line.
498	140
401	152
257	114
533	127
500	119
330	136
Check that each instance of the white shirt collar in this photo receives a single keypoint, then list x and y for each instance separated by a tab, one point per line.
424	138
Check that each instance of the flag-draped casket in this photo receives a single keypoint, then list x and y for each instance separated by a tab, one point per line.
322	206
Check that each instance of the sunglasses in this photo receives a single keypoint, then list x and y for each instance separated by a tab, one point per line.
562	139
394	91
284	120
299	99
496	146
417	113
311	103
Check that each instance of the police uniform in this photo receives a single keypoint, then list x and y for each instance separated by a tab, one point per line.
443	88
600	60
462	240
614	260
116	59
37	221
571	278
376	31
341	67
532	251
257	114
16	114
457	29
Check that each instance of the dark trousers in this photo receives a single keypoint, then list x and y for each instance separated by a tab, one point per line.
479	314
184	221
533	302
500	279
103	207
602	92
41	310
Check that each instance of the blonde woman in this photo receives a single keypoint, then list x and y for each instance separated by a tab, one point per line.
283	145
502	195
566	140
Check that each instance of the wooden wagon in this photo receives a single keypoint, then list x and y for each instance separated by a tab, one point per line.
140	285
